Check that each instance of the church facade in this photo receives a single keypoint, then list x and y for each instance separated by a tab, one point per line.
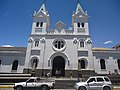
67	51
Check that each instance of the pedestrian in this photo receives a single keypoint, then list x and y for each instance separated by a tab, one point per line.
70	74
56	73
48	74
59	73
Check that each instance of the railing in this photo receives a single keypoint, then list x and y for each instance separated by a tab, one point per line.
81	30
38	29
61	32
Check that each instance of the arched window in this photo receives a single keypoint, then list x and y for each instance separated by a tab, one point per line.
83	24
0	62
78	24
82	64
102	64
37	24
81	43
36	43
59	44
41	24
118	61
15	65
35	62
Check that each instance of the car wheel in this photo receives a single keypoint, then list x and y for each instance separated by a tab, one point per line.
19	88
106	88
44	88
82	88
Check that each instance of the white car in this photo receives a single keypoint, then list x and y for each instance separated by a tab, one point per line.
35	83
95	83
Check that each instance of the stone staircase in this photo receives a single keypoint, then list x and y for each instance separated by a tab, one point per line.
60	83
65	83
12	78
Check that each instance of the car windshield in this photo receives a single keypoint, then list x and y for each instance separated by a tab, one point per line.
91	80
106	79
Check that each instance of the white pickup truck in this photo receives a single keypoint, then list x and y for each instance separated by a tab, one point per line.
35	83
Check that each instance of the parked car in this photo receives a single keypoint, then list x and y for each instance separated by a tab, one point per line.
36	84
95	83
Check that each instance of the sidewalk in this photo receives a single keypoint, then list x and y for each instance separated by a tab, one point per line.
11	86
6	86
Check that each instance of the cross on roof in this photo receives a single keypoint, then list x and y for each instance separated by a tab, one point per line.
44	1
77	1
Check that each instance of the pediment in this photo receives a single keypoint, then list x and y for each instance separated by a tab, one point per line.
30	39
60	26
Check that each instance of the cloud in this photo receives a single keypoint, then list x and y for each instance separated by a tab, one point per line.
108	42
70	28
7	46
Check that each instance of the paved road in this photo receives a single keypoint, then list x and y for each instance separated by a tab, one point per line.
51	89
26	89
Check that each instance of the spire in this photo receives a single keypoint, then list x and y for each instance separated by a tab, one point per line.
42	8
79	8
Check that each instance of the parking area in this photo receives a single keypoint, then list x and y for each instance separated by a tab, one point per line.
25	89
8	88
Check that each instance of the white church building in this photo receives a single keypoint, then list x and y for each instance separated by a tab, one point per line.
60	49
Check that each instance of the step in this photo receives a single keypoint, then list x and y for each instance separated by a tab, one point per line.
15	75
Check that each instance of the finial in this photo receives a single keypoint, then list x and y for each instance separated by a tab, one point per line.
78	1
44	1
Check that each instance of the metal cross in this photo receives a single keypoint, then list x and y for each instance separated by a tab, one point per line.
78	1
44	1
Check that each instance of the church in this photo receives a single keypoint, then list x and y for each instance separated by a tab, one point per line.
60	49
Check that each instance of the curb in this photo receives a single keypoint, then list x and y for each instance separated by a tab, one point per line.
11	86
6	86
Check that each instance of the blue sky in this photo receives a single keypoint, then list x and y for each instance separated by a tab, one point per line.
16	19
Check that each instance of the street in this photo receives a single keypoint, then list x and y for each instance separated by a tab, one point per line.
51	89
26	89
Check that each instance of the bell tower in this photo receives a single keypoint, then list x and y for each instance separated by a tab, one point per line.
40	21
80	21
81	29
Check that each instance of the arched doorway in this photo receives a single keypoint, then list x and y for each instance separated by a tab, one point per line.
58	65
15	65
35	63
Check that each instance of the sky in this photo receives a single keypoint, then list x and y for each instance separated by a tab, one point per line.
16	19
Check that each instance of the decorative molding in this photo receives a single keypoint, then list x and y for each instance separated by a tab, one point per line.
43	40
89	41
75	40
30	40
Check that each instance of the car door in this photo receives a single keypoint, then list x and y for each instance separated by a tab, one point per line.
92	84
99	83
31	84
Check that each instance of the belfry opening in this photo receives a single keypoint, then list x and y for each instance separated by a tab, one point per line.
58	67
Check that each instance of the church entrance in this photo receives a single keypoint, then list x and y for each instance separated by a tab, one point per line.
58	66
